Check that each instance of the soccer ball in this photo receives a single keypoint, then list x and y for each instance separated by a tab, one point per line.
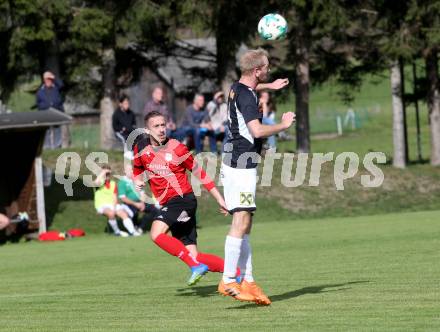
272	27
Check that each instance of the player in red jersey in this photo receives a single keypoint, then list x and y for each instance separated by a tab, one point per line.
165	162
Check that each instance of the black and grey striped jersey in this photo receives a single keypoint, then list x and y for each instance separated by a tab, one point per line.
241	149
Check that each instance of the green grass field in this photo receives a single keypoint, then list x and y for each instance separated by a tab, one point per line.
372	267
375	273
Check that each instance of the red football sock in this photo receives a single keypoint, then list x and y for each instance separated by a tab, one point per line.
215	263
176	248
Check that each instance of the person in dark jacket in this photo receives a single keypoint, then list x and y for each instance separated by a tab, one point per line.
49	96
123	120
196	121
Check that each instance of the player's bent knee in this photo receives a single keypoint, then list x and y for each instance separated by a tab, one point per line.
4	221
154	233
153	236
158	227
122	214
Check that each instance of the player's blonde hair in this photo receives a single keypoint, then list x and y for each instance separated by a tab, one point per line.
252	59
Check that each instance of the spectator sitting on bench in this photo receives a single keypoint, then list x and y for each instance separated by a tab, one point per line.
197	120
218	116
123	120
106	203
268	108
156	103
132	202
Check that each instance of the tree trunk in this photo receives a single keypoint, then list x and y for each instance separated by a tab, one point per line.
302	84
105	118
434	104
106	105
402	94
226	72
52	57
227	47
399	155
228	78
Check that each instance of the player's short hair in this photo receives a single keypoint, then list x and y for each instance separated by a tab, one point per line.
152	114
106	166
252	59
123	97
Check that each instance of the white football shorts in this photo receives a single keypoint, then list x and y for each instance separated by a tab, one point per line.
239	187
101	209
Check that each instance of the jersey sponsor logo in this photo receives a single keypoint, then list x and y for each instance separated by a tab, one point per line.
157	169
184	217
246	198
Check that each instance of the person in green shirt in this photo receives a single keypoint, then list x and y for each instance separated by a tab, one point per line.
131	200
106	203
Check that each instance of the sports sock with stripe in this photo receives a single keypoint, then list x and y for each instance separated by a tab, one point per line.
176	248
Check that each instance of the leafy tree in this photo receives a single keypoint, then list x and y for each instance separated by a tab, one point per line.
231	22
324	41
409	31
424	15
395	45
30	31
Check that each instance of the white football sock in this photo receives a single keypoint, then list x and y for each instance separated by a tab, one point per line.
114	225
245	261
128	224
232	254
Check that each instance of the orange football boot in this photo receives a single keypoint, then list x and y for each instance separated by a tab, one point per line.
253	289
233	289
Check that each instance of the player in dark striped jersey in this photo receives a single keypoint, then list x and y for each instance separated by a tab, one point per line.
239	174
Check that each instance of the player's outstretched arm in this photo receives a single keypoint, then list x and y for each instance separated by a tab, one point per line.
219	198
259	130
275	85
190	164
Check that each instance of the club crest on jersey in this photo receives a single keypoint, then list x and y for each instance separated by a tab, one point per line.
246	198
168	156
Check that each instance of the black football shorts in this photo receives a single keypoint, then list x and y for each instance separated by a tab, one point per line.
179	213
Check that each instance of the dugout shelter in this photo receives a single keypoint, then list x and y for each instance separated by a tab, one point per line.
21	168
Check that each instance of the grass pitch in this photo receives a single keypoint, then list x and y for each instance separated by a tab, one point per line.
373	273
